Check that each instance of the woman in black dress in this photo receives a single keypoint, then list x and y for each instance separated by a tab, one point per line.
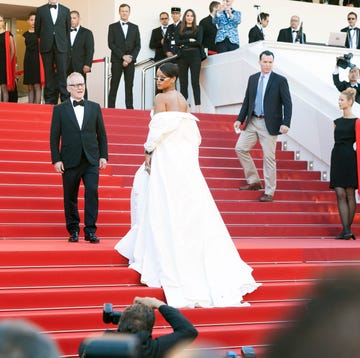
32	62
343	172
189	39
7	65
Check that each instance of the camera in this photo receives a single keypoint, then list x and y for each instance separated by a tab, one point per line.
345	61
109	315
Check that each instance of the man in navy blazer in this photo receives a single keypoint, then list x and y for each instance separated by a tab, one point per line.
82	47
52	26
266	110
124	43
78	144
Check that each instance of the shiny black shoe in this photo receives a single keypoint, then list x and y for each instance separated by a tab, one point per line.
345	236
74	237
92	238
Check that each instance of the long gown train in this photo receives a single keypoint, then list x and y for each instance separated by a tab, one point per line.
178	239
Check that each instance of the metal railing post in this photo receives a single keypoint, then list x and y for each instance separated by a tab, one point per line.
106	80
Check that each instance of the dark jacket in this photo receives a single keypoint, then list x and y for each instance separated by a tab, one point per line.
119	45
343	85
285	35
82	50
255	34
155	43
209	33
277	102
48	32
90	139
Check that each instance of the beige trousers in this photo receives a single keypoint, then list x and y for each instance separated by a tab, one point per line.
256	130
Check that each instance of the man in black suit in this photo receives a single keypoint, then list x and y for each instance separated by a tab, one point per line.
292	34
353	32
354	77
170	46
78	144
157	37
82	47
52	26
124	43
266	110
209	29
256	33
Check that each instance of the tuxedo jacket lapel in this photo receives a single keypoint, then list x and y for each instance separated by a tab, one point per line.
71	114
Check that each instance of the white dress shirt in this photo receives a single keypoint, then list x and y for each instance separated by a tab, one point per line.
79	112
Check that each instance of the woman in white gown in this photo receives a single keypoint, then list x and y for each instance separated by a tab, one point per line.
178	239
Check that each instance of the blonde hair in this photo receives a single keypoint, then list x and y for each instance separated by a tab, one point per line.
350	94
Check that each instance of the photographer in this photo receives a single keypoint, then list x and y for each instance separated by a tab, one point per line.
139	319
353	81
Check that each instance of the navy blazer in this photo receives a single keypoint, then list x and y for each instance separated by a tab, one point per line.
82	50
119	45
48	32
277	102
90	139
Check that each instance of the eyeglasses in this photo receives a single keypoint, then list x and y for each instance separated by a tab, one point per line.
162	79
77	85
351	18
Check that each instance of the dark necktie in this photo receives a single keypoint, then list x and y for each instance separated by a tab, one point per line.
78	103
52	6
73	29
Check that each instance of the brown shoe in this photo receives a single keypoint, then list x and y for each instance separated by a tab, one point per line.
253	186
266	198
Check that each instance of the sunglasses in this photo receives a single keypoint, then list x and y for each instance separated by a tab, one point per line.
161	79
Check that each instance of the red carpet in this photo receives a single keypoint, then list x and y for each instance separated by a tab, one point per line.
62	286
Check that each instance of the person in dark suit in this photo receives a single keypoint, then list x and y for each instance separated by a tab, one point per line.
354	77
157	37
78	144
256	33
209	29
353	32
82	47
138	319
52	26
170	46
292	34
266	110
124	43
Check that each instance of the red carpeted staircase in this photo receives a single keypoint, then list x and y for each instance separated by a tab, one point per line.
62	286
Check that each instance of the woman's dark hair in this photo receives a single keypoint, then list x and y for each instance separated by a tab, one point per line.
32	13
169	69
194	27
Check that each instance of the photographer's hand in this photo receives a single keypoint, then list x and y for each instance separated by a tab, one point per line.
149	301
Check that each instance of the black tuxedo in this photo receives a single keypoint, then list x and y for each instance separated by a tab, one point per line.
80	150
82	52
277	102
54	48
348	37
209	33
343	85
155	43
255	34
120	46
285	35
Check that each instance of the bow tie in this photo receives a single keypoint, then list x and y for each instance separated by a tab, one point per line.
78	103
73	29
295	31
353	29
52	6
164	28
124	23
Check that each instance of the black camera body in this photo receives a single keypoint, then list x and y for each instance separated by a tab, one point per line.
109	315
345	61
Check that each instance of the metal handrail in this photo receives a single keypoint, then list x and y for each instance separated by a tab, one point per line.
150	59
148	67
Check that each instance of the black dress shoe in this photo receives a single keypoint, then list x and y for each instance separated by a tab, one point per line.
345	236
74	237
92	238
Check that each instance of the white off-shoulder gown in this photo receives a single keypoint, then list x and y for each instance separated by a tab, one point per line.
178	239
